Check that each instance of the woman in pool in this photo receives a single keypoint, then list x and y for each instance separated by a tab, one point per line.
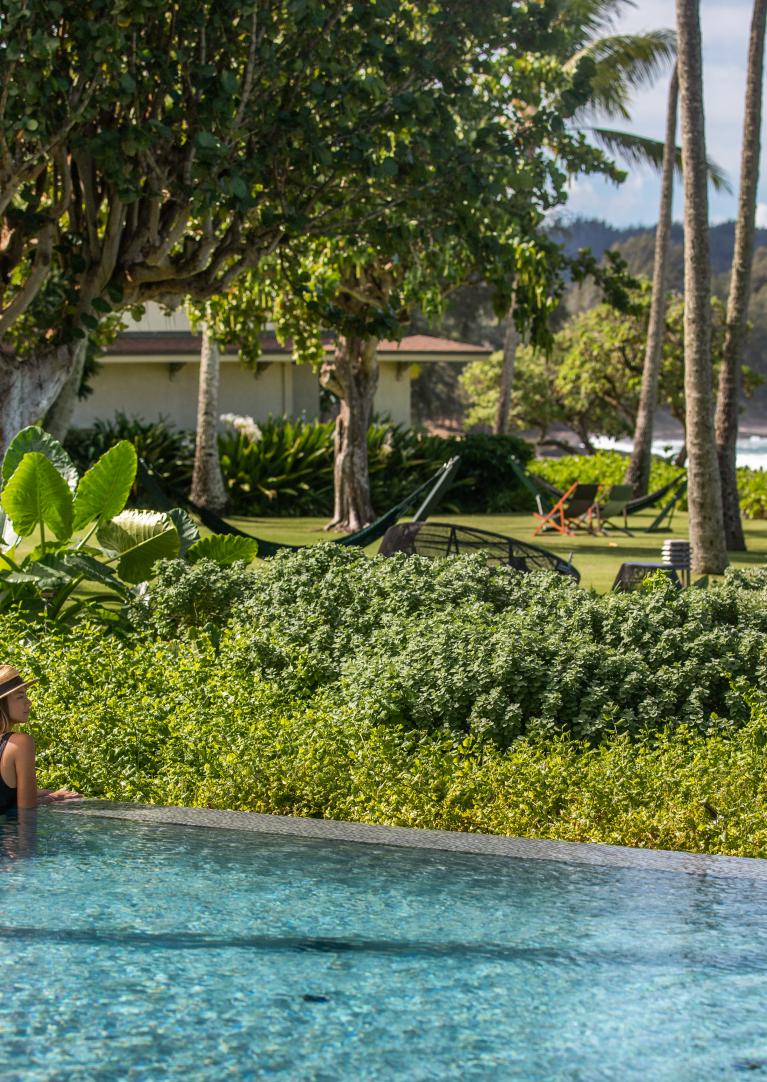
18	783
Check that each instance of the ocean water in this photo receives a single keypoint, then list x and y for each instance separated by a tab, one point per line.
751	450
135	951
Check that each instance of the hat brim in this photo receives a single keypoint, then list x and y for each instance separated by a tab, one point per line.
24	684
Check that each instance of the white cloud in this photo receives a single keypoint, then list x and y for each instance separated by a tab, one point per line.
761	215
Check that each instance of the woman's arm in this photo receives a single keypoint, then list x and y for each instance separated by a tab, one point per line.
24	762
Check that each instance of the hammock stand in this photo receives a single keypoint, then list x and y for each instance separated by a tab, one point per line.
430	491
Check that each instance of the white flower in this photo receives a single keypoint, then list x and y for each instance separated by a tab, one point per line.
246	426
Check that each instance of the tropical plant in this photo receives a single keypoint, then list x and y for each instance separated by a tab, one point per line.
86	540
167	450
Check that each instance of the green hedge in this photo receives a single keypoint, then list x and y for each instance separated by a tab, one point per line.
282	467
456	646
159	723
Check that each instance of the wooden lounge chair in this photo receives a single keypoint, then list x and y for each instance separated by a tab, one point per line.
571	512
616	503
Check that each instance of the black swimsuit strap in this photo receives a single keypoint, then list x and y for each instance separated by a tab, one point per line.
3	742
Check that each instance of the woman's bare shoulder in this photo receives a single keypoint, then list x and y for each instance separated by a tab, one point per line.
22	743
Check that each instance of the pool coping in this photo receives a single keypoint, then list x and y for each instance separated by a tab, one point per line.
495	845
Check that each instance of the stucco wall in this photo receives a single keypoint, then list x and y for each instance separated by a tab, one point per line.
156	389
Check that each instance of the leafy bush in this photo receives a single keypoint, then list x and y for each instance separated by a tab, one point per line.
605	467
283	467
169	451
166	722
455	646
752	490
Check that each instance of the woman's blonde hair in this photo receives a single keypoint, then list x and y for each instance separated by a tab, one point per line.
6	672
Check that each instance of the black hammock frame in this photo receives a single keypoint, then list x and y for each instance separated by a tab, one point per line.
430	491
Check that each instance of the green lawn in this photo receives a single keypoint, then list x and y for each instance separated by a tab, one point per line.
597	558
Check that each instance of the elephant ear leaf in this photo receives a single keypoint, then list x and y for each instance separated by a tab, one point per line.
223	549
34	438
188	533
139	539
104	489
9	539
37	493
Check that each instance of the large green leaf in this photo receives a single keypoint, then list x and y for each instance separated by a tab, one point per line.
36	439
9	539
92	570
188	533
223	549
37	493
139	538
104	489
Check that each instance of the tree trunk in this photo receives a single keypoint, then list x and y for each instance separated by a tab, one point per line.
740	285
30	386
353	377
709	551
208	488
638	473
58	419
510	341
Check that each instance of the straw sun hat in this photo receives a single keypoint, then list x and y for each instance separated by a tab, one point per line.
11	680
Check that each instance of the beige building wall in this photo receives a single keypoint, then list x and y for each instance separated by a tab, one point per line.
155	389
393	394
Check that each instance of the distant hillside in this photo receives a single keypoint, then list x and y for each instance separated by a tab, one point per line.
599	236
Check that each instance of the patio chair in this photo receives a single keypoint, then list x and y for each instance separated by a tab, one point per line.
573	511
616	503
439	540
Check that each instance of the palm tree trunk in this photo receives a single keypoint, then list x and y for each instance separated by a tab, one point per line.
638	473
507	374
740	285
353	377
208	489
709	552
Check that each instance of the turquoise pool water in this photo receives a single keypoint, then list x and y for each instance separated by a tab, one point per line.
135	951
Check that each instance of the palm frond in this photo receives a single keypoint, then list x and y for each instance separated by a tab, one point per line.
623	63
585	19
638	150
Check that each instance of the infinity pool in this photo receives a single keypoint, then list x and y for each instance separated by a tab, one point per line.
134	951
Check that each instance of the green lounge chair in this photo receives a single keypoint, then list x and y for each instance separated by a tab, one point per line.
615	504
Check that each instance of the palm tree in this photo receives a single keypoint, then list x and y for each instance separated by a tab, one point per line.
709	552
208	488
638	473
618	64
740	285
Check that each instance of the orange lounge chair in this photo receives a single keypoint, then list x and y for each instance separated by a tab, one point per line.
568	513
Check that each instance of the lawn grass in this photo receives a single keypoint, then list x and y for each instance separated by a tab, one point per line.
597	558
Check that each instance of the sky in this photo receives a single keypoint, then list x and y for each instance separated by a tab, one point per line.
725	26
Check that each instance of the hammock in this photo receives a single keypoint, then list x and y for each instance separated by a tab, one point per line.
430	490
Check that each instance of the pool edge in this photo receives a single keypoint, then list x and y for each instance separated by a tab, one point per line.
593	853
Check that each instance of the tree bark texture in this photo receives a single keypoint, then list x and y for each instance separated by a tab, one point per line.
29	386
58	419
208	489
510	341
638	473
353	377
709	552
728	401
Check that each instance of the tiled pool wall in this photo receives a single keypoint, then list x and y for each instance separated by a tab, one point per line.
615	856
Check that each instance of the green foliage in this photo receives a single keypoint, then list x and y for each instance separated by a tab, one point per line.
223	549
752	491
455	646
178	722
604	467
46	582
168	451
